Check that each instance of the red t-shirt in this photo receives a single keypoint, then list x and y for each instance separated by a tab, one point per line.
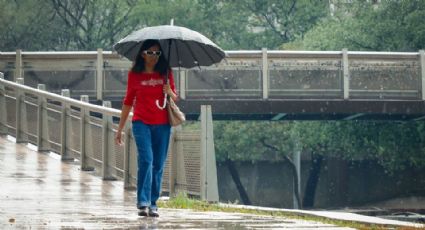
143	89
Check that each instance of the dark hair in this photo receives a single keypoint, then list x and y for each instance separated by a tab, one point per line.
139	64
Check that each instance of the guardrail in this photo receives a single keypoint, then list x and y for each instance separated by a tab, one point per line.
78	130
261	74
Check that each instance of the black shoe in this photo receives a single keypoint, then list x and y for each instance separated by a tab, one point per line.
143	211
153	212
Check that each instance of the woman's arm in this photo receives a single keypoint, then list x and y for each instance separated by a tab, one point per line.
127	104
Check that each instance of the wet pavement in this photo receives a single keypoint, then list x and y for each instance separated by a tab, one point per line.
38	191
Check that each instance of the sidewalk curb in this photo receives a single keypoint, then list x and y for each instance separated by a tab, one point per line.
335	215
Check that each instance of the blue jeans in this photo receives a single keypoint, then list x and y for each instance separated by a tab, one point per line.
152	146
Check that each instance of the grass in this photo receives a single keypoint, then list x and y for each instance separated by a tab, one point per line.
181	201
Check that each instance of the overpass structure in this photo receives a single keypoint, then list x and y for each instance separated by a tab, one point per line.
257	85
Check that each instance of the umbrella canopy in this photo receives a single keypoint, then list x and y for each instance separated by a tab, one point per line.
181	46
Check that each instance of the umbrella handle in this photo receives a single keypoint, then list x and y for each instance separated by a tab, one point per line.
164	103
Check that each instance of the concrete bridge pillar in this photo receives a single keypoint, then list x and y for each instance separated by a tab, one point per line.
84	137
99	75
346	72
18	65
265	78
107	142
209	186
422	59
64	126
42	125
21	115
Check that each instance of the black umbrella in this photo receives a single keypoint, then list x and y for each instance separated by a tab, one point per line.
182	47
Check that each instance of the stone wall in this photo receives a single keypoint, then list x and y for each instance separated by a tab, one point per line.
341	183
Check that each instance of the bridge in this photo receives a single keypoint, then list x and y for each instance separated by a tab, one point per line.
255	85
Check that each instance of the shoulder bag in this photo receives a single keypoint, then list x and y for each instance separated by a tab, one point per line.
175	116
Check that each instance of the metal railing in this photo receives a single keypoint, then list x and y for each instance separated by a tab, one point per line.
260	74
78	130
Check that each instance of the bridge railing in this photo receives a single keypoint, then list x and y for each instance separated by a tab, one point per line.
261	74
83	132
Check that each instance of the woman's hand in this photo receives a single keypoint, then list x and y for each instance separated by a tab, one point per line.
167	89
123	118
118	137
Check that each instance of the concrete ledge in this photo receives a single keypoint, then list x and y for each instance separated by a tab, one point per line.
336	215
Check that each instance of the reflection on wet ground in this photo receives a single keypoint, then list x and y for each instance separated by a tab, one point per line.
38	191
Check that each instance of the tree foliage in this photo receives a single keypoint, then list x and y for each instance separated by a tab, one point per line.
363	25
39	25
282	21
394	145
24	25
92	24
241	140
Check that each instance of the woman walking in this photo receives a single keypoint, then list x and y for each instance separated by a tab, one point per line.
151	129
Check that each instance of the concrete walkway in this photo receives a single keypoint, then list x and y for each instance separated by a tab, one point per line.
38	191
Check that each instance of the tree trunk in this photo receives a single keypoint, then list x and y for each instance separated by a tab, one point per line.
313	179
235	176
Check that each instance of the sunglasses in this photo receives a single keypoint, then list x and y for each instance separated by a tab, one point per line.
152	53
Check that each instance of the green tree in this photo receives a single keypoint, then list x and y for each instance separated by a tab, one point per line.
92	24
278	22
221	21
64	25
27	25
241	140
362	25
394	145
242	24
252	141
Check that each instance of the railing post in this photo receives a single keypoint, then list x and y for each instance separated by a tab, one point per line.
3	114
127	143
84	115
182	74
209	187
265	78
42	126
346	78
174	150
18	65
99	75
107	143
422	60
64	126
180	178
297	162
19	113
